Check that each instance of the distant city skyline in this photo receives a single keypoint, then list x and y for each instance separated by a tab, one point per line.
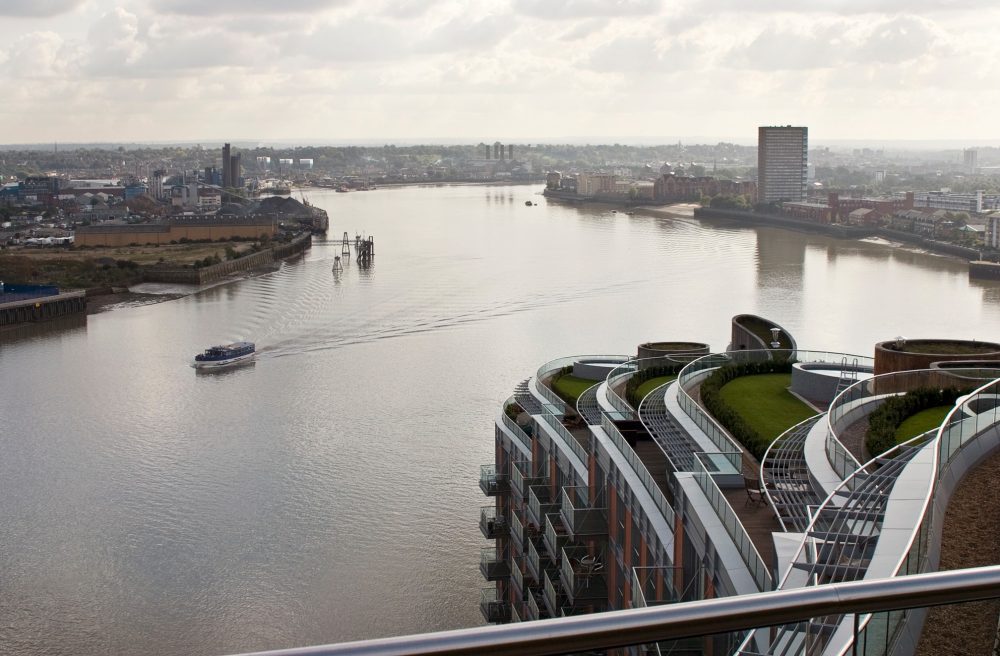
346	71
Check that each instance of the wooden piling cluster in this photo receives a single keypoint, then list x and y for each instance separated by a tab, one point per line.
366	251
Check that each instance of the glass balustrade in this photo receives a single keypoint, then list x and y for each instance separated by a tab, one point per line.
493	609
578	517
582	574
491	524
493	565
748	552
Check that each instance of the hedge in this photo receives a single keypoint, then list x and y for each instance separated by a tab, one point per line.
732	421
641	376
882	423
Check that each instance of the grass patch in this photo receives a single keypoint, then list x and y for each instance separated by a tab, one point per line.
922	422
765	403
569	387
652	384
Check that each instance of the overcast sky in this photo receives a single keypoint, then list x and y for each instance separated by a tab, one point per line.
482	70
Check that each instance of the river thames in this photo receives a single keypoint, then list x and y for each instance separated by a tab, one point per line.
329	492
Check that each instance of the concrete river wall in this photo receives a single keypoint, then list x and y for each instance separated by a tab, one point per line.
204	275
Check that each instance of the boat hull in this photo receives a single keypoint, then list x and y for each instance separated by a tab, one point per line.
218	364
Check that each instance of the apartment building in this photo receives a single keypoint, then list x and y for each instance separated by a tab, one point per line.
782	163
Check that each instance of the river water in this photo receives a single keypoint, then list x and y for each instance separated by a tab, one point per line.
329	491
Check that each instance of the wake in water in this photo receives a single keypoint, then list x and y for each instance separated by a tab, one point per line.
302	308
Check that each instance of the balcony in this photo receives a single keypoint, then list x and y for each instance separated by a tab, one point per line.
656	586
583	578
521	482
536	607
493	610
517	580
493	565
555	537
539	505
515	613
552	594
492	525
491	482
537	562
579	518
517	534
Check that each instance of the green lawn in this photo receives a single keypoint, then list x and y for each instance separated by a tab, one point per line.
569	387
765	403
922	422
652	384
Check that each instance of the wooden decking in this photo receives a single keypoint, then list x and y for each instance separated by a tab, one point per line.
759	522
652	457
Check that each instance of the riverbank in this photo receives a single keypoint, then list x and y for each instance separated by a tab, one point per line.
121	277
842	231
439	183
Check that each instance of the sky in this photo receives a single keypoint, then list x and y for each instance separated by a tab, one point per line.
487	70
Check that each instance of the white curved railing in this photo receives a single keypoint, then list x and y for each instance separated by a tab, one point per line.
625	371
734	527
861	398
695	372
975	415
620	375
639	469
512	425
553	366
571	441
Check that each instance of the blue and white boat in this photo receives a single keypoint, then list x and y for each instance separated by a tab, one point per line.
224	356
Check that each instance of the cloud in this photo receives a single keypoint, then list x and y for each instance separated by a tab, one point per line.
583	29
833	44
244	7
37	8
36	55
357	40
114	41
844	6
462	33
575	9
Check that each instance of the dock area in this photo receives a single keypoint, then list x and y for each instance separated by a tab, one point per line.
43	308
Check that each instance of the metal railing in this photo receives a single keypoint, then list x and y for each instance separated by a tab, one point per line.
697	370
748	552
559	363
513	427
567	437
639	469
974	415
615	629
620	374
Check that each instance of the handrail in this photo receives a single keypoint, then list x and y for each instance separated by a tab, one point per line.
567	436
963	419
621	372
734	527
855	401
639	469
557	364
963	423
513	427
627	370
719	435
622	628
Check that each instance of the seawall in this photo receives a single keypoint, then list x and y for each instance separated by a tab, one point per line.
204	275
843	231
42	308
